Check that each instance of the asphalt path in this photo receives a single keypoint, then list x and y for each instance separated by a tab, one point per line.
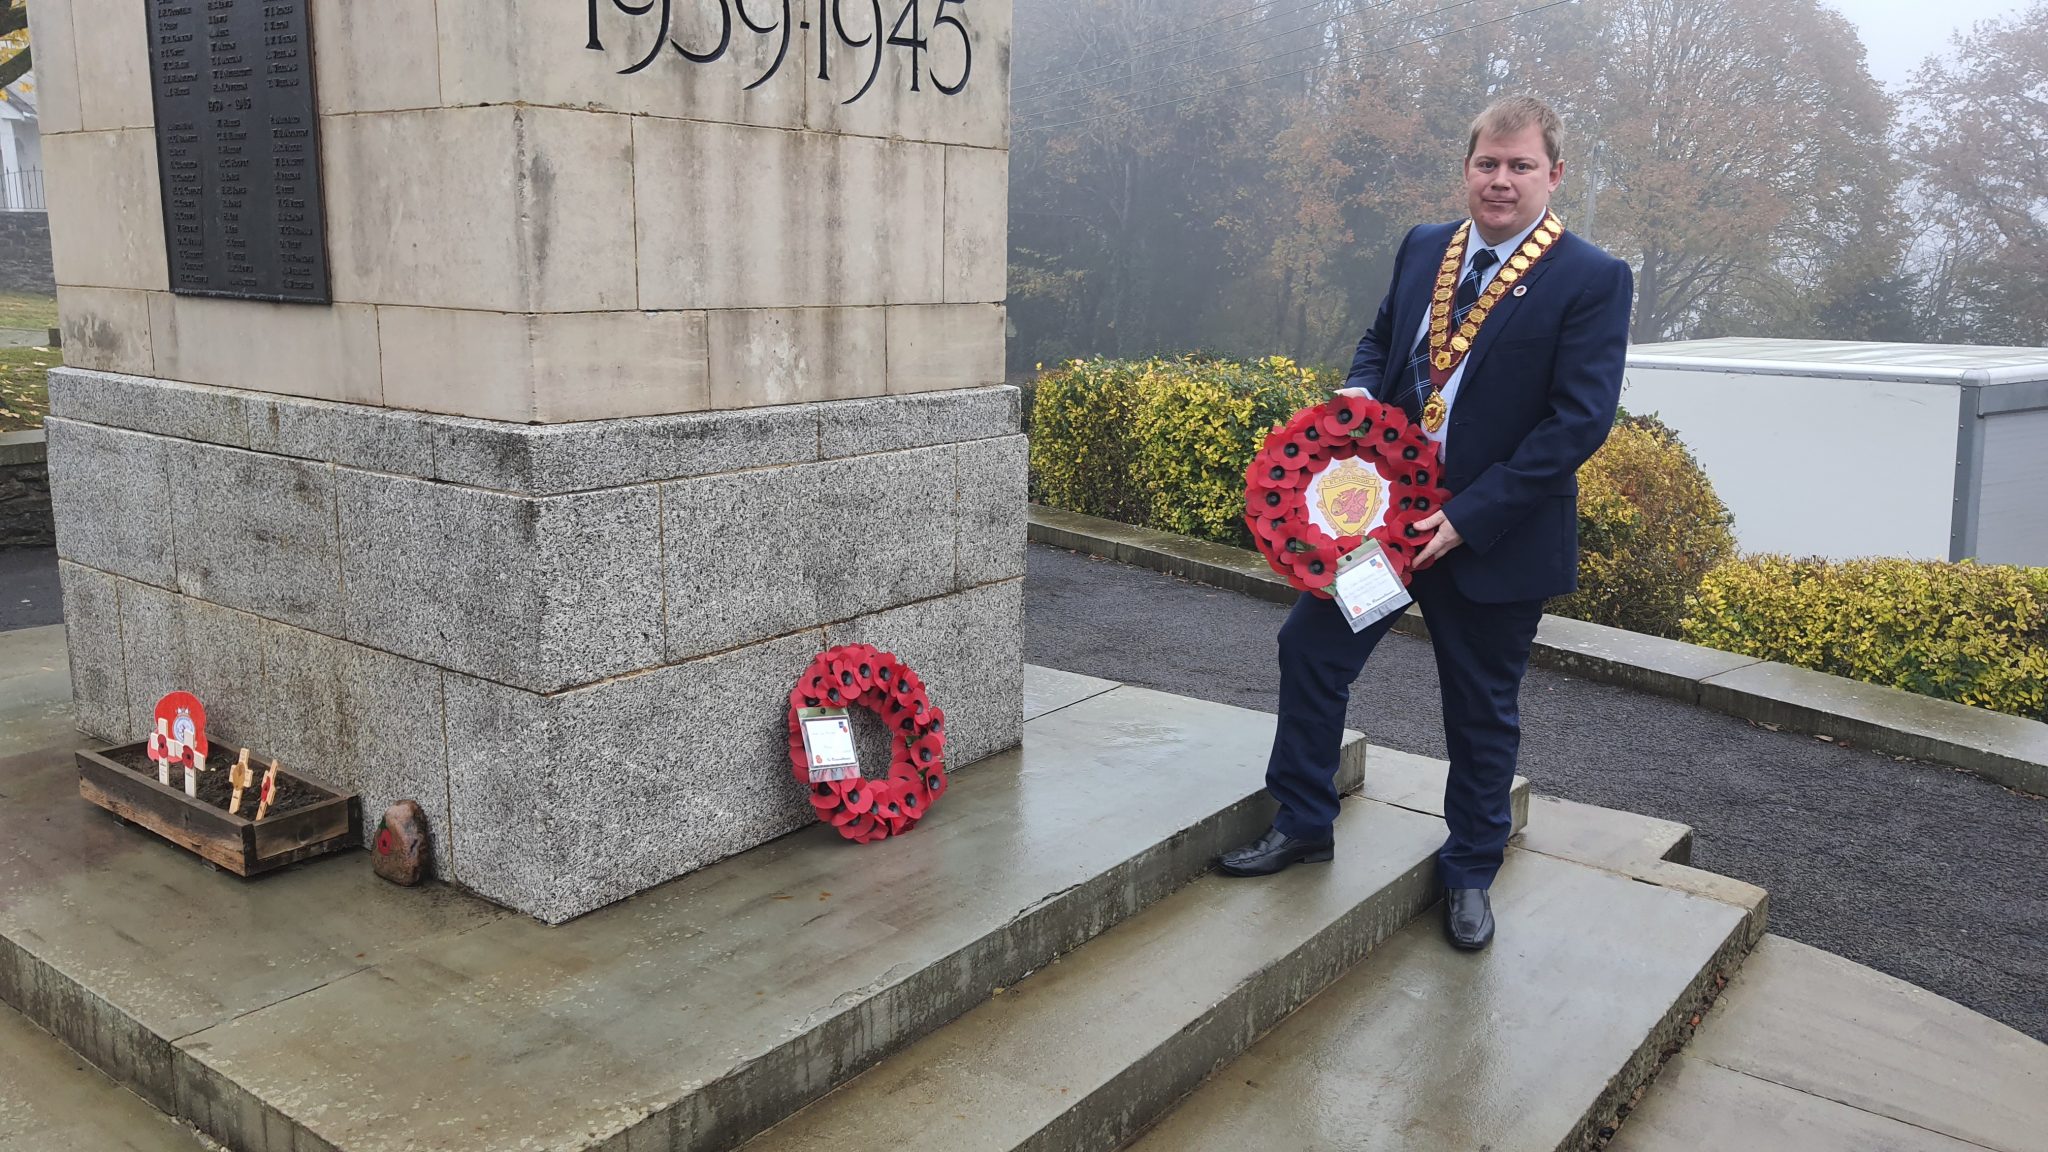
1927	873
28	588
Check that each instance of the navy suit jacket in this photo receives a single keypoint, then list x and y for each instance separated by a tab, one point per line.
1538	397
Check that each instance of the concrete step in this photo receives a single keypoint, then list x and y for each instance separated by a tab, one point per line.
51	1100
1808	1050
1603	837
1082	1055
1530	1046
321	1008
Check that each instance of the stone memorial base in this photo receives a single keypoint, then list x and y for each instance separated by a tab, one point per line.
572	644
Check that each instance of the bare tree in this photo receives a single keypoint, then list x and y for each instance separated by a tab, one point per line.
1976	143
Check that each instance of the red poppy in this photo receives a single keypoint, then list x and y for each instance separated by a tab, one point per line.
1302	450
1305	420
1341	415
1272	472
1319	567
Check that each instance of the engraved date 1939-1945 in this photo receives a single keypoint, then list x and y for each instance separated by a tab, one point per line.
908	32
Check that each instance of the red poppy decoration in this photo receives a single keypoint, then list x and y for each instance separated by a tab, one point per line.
868	809
1279	480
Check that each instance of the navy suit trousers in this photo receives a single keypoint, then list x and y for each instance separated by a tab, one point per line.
1482	650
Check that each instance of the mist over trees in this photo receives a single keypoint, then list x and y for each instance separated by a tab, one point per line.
1216	175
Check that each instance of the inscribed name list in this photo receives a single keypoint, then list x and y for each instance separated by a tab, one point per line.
237	137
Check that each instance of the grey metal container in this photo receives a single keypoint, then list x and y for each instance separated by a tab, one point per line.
1840	449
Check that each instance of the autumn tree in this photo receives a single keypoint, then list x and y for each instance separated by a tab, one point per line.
1975	141
1239	179
1133	154
14	48
1742	164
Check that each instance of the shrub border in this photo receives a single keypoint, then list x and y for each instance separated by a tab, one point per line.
2007	750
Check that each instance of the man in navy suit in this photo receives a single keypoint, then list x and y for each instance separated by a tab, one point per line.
1505	336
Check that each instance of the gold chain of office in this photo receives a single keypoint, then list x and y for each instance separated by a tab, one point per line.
1447	349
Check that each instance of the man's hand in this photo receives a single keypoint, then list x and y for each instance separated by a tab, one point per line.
1360	393
1446	537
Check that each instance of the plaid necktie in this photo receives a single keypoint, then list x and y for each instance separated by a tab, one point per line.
1468	295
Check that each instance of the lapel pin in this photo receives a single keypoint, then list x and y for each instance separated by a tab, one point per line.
1521	289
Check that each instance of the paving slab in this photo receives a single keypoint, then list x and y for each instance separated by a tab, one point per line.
1082	1054
691	1016
2011	750
1696	1106
1819	1024
51	1100
1416	783
1603	837
1049	689
35	684
1529	1045
125	944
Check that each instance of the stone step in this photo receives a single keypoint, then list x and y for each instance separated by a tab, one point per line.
1082	1055
1808	1050
51	1100
1530	1046
322	1008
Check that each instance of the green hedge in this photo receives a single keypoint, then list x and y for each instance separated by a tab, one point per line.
1164	443
1975	634
1650	528
1161	443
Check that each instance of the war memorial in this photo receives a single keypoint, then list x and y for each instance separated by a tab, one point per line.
521	410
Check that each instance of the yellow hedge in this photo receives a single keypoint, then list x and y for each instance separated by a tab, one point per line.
1161	443
1964	632
1650	528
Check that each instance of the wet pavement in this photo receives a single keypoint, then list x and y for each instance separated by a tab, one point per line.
1922	872
29	597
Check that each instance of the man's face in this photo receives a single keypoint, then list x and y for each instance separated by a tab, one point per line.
1508	182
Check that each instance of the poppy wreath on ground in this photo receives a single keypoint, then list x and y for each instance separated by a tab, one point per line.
1284	474
869	809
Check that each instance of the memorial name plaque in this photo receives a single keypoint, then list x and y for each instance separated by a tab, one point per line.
237	138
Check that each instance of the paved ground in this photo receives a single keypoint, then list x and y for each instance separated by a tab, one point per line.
1925	873
28	588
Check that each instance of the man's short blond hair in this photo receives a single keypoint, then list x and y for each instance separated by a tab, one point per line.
1513	114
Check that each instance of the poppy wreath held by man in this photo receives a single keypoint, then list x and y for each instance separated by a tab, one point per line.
1337	474
860	675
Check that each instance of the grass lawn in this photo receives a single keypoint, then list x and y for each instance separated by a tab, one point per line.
24	386
20	311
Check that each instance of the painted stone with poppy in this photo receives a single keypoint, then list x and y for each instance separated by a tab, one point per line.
399	852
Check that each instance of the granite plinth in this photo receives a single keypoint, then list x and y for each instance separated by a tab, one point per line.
571	645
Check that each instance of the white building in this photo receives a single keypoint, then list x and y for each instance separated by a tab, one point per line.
1839	449
21	149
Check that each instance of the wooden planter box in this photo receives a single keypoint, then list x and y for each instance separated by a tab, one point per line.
236	843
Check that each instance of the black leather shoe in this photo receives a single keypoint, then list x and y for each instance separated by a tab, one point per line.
1272	852
1468	918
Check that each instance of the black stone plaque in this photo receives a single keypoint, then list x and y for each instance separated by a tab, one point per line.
238	147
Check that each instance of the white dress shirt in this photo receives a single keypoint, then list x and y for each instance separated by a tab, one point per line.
1473	245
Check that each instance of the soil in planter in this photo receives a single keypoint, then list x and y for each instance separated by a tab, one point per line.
215	789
